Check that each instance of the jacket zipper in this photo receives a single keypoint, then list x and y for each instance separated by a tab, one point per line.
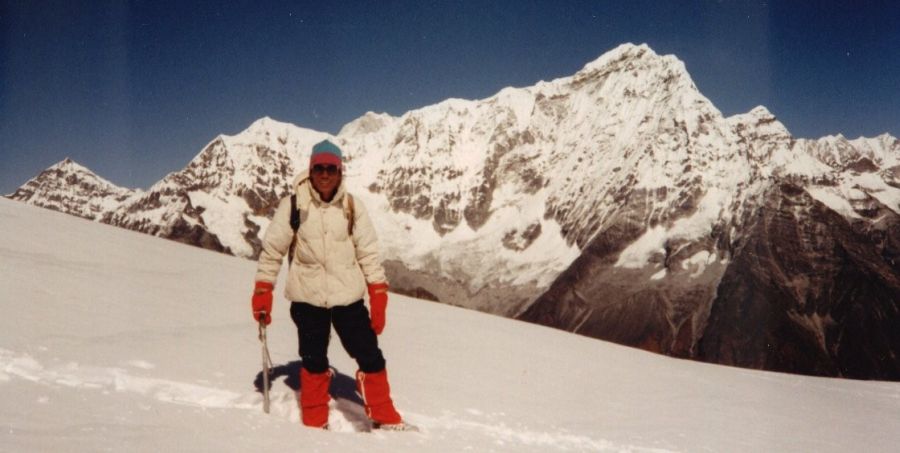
322	212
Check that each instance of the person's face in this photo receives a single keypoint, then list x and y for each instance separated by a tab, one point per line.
325	179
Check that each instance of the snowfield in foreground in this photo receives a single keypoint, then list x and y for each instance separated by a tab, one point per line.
113	340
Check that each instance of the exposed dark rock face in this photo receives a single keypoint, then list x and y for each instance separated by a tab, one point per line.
446	216
808	292
805	291
863	165
195	235
892	176
506	300
521	240
596	298
410	192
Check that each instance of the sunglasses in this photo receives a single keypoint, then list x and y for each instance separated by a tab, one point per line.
322	169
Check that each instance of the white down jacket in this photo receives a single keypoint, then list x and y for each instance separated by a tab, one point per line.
330	267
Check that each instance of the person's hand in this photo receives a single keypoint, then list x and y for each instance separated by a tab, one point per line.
262	301
378	301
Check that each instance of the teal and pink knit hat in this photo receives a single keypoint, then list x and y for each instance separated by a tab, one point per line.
325	153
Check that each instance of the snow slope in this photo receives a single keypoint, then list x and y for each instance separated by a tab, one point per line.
113	340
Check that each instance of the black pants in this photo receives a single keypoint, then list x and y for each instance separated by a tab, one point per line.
353	328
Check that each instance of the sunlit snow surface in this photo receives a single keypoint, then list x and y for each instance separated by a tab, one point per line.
116	341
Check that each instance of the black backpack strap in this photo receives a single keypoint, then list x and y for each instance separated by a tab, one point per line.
295	214
295	225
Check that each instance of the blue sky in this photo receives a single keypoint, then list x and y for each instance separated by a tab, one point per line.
133	90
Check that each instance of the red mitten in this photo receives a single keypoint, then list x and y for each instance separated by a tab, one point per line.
262	301
378	302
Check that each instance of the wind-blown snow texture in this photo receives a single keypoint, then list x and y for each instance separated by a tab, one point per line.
617	203
112	340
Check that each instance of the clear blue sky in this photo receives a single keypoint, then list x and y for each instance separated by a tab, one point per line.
134	90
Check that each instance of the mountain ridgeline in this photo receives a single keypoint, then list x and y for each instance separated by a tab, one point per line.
616	203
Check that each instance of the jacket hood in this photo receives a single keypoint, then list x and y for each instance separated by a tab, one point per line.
300	178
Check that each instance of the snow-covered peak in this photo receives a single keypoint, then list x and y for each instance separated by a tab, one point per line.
70	187
74	172
229	188
885	140
833	139
638	61
266	123
622	52
262	144
272	133
884	148
839	153
366	124
760	111
68	166
761	121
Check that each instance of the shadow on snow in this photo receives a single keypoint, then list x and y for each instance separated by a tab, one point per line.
342	389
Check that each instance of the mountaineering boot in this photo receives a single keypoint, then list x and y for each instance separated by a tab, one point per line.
314	398
376	393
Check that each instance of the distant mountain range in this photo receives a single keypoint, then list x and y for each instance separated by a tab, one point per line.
617	203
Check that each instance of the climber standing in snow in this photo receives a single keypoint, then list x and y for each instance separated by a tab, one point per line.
333	262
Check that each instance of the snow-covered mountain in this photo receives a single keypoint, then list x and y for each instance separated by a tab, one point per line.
73	189
221	200
795	267
101	351
617	203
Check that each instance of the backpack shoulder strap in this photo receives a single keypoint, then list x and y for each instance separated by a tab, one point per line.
295	225
349	213
295	214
